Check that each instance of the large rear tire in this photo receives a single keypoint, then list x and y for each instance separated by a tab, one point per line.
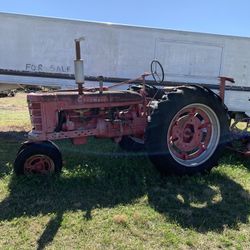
187	131
132	144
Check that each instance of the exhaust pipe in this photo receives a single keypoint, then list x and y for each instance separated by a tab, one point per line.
79	66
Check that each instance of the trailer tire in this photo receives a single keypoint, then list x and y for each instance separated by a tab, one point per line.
38	158
187	131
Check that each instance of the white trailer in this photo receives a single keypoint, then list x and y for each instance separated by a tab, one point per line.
40	51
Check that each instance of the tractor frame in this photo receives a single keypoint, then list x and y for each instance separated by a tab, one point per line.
183	129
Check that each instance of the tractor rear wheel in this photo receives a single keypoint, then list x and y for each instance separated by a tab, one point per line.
132	144
187	131
38	158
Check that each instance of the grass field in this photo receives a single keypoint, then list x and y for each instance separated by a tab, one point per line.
106	199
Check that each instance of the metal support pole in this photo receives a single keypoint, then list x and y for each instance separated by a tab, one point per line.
223	80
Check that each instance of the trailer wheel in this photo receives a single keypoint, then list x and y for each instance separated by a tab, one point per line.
132	144
187	131
38	158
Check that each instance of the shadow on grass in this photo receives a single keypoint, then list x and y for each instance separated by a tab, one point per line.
235	159
95	179
9	144
96	175
204	204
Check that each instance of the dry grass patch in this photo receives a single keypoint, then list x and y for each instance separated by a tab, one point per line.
14	114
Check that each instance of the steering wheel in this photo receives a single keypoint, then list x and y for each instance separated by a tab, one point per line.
157	71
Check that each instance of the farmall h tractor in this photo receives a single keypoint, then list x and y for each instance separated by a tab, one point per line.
183	129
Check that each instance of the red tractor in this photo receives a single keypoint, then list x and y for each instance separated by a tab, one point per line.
183	129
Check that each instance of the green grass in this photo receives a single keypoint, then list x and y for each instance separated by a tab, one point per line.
14	114
106	199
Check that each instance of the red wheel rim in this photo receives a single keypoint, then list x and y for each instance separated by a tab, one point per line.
193	134
39	164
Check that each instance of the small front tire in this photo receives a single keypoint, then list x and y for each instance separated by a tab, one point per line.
38	158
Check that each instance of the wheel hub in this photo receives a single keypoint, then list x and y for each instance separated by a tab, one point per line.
39	164
190	133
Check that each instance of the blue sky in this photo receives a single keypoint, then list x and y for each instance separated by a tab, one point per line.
228	17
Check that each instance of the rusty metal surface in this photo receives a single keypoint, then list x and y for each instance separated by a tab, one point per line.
61	115
222	85
88	97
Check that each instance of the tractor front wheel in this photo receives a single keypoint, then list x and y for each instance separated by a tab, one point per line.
38	158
